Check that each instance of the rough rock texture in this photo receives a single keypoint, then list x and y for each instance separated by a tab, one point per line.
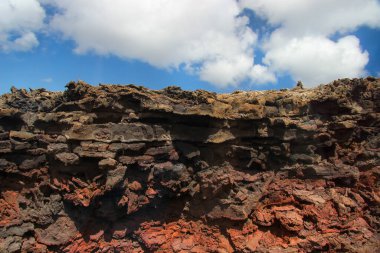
127	169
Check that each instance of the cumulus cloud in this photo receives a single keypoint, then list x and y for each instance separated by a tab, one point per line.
316	59
20	19
312	39
301	45
317	17
209	38
264	74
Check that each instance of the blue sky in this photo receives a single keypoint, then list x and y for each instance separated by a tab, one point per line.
257	44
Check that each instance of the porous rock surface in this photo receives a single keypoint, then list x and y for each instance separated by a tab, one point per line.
127	169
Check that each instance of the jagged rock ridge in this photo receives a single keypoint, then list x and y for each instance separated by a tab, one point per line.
127	169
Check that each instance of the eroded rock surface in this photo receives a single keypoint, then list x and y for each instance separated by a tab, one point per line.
127	169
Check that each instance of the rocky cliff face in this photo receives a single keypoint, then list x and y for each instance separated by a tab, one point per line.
127	169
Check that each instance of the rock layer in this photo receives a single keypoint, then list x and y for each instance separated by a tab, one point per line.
127	169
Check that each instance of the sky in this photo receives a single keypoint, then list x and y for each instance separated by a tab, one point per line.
217	45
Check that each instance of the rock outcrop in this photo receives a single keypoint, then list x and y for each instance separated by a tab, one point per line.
127	169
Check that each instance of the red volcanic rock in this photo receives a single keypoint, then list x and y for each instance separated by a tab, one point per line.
127	169
183	236
289	217
58	233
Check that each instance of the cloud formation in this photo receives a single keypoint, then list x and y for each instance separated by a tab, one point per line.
317	59
302	44
311	41
318	17
207	38
19	21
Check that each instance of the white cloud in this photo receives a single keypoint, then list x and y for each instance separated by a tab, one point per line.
19	21
208	37
226	71
262	75
301	45
211	39
317	17
316	60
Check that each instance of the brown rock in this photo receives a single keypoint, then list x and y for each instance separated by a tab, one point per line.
57	148
5	147
107	163
115	168
22	135
289	217
58	233
67	158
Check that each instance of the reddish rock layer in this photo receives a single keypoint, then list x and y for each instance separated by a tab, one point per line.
126	169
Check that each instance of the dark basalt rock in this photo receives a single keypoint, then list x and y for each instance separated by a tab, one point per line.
127	169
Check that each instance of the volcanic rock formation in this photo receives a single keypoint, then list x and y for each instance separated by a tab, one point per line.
127	169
